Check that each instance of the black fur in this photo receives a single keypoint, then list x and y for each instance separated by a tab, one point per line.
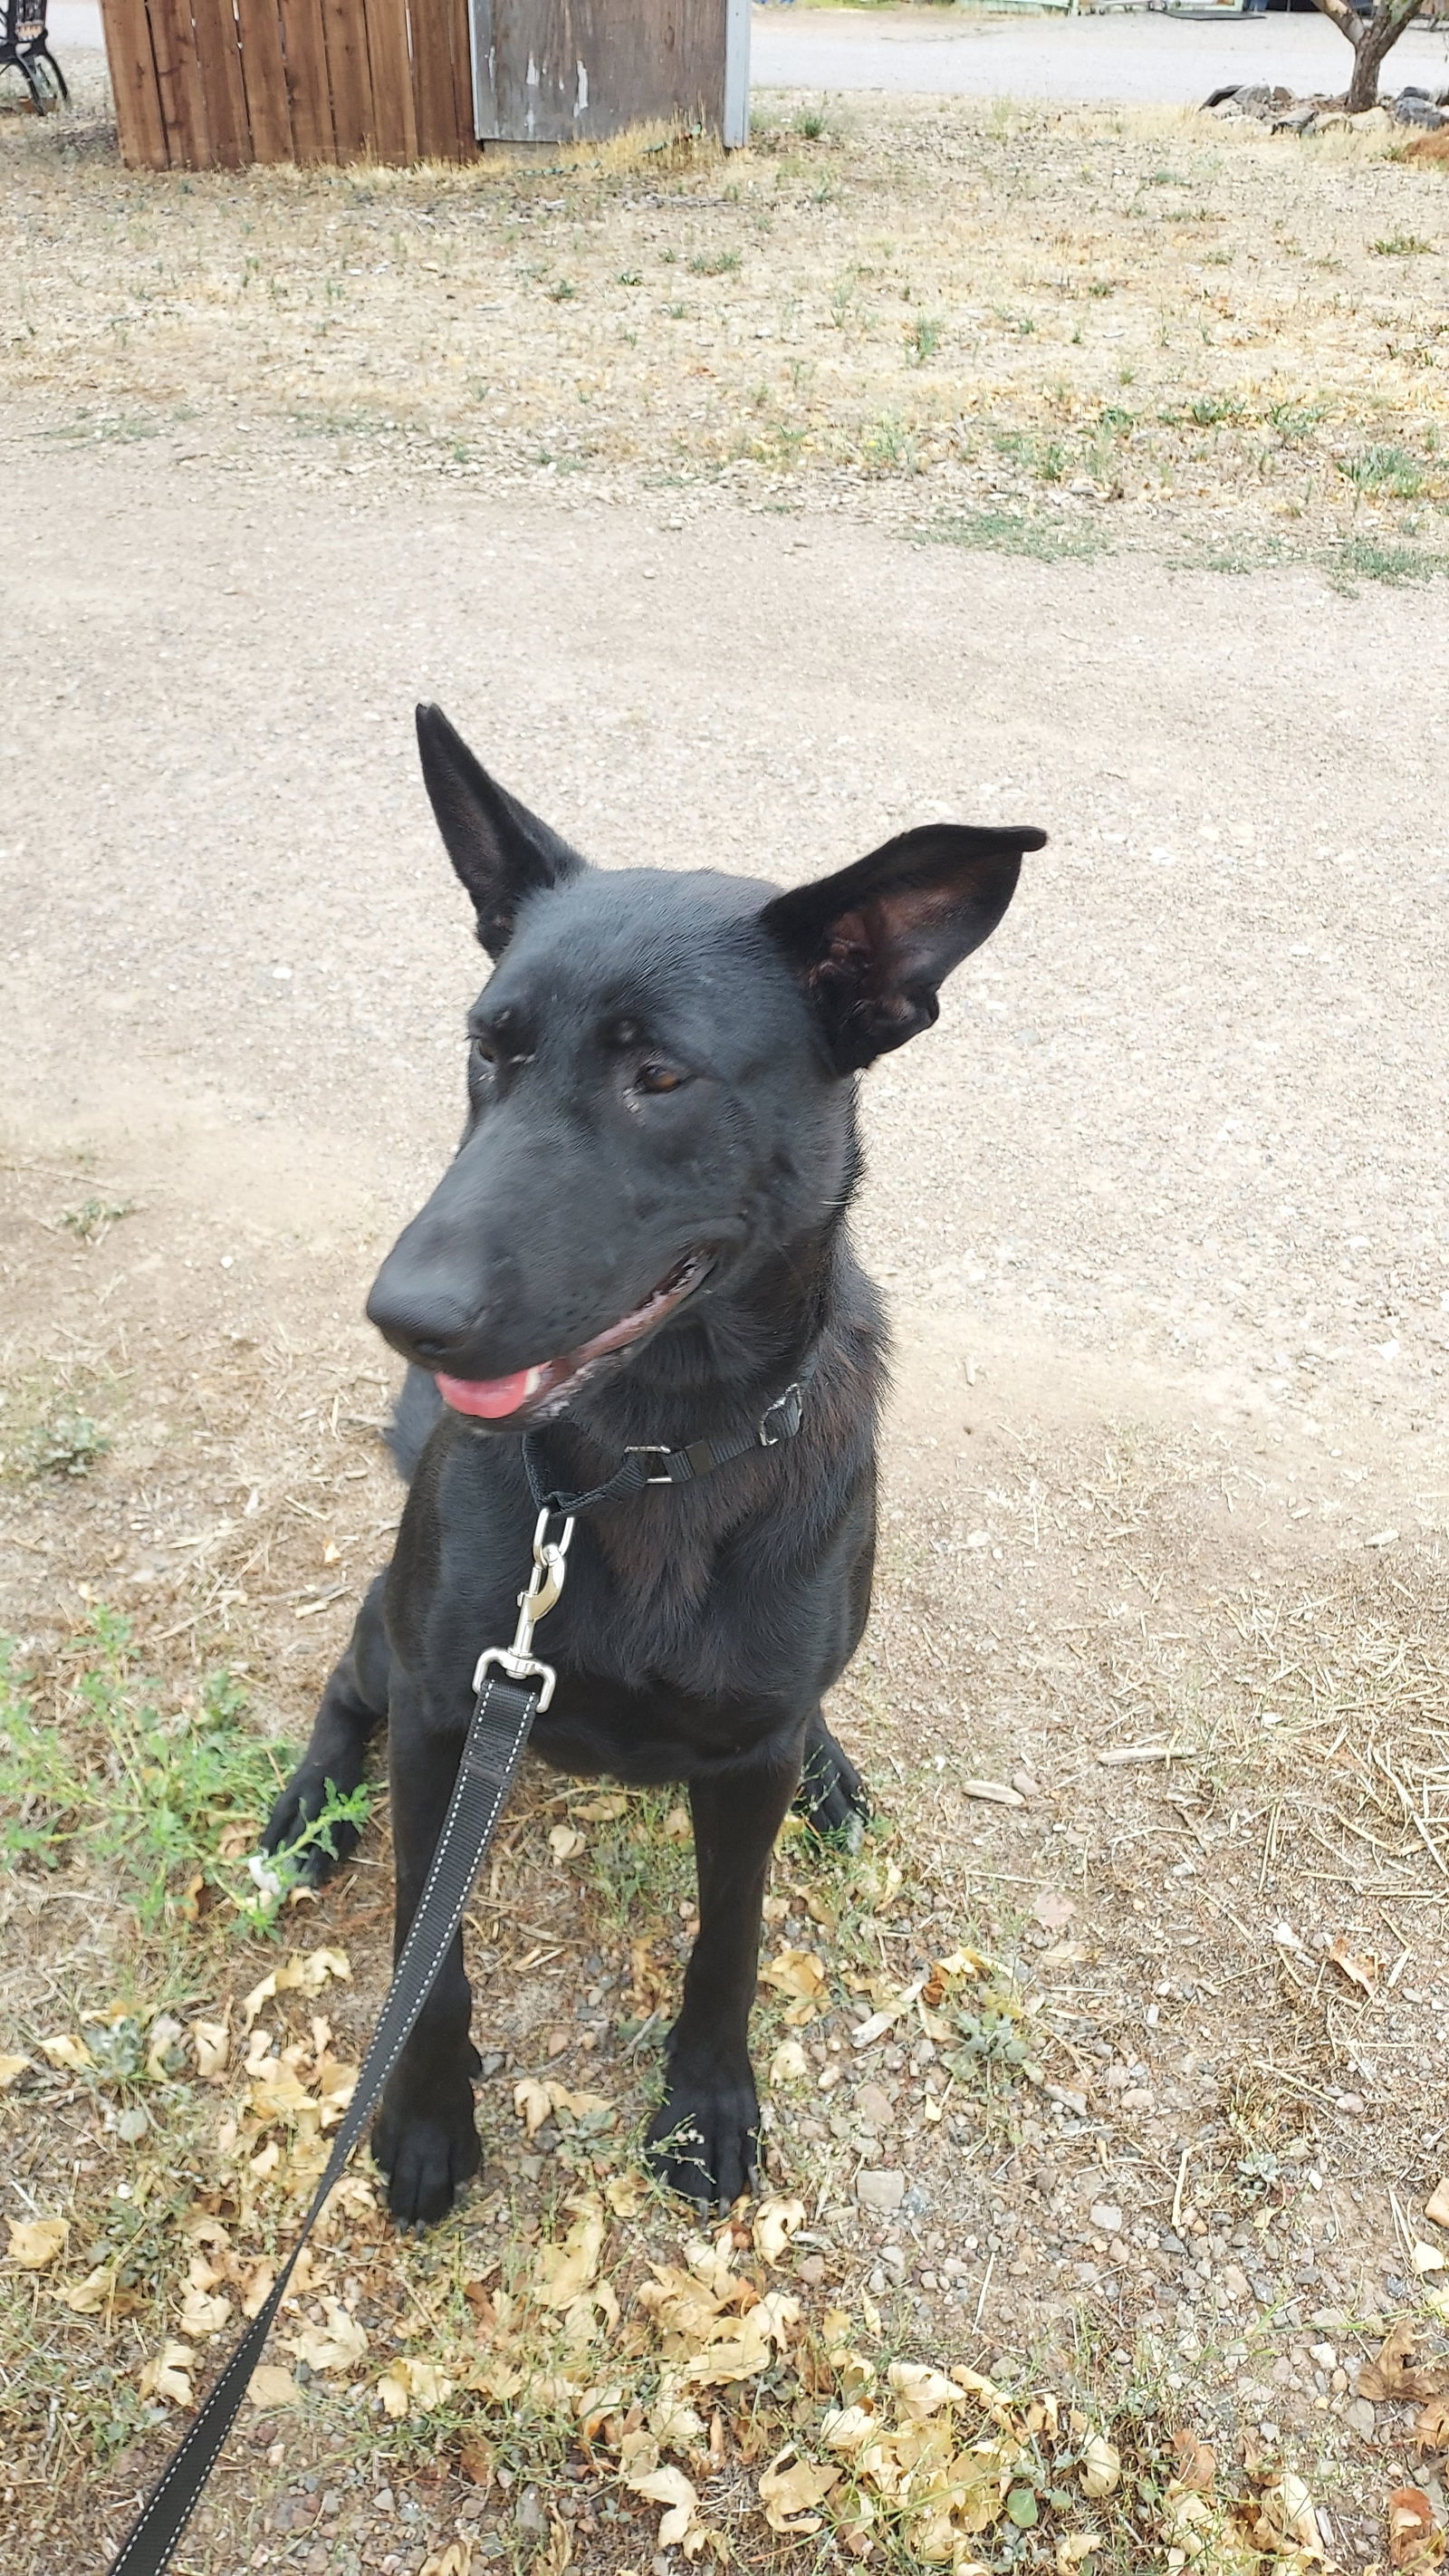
662	1072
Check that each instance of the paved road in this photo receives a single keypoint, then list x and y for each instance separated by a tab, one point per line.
1137	59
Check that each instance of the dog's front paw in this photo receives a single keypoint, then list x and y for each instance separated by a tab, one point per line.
704	2139
428	2153
832	1797
297	1809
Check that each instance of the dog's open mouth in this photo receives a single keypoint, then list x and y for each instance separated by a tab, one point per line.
495	1399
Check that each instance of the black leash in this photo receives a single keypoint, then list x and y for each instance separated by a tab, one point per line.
510	1687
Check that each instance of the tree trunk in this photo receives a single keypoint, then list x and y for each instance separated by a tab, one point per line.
1371	39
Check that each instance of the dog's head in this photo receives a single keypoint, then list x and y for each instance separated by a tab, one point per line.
660	1085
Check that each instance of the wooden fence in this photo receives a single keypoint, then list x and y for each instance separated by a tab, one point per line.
217	84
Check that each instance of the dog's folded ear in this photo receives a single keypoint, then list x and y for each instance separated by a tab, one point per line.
500	850
873	945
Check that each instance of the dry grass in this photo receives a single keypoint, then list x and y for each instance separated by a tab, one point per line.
1114	327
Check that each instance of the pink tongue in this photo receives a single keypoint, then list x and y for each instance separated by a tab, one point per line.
492	1397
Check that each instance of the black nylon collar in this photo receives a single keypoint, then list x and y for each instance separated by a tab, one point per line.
649	1464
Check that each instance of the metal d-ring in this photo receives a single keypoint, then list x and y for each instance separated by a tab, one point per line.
544	1586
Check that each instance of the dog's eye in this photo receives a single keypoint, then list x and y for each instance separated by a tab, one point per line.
658	1077
484	1051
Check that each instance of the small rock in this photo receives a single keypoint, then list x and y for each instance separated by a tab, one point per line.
1106	2218
1360	2418
528	2514
883	2192
894	2261
1352	2105
812	2270
1235	2281
874	2108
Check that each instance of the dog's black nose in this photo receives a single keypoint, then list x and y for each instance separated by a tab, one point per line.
418	1315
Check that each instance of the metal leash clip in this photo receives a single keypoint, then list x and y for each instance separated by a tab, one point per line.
544	1586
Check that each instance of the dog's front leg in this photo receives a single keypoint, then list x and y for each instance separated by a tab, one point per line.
704	2140
424	2136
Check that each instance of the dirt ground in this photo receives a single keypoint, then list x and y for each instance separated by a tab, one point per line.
1153	1702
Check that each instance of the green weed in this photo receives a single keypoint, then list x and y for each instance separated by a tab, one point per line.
1389	470
150	1802
63	1442
715	263
1012	532
1368	559
1401	246
923	339
94	1218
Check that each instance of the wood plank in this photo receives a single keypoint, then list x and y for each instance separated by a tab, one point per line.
264	75
433	81
464	144
133	85
349	76
394	119
215	29
309	97
178	77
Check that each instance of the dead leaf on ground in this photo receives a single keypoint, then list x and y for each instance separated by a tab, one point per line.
790	2496
64	2049
169	2374
212	2043
1101	2466
89	2297
800	1973
412	2388
1415	2538
34	2242
775	2221
1073	2547
308	1970
566	1842
455	2560
1435	2207
1287	2524
641	2472
271	2385
1194	2466
626	2193
1359	1966
534	2098
1431	2427
340	2345
10	2069
1392	2379
563	2272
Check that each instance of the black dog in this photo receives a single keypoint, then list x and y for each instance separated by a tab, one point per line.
642	1242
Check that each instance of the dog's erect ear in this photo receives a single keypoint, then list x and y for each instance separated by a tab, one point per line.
873	945
500	850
